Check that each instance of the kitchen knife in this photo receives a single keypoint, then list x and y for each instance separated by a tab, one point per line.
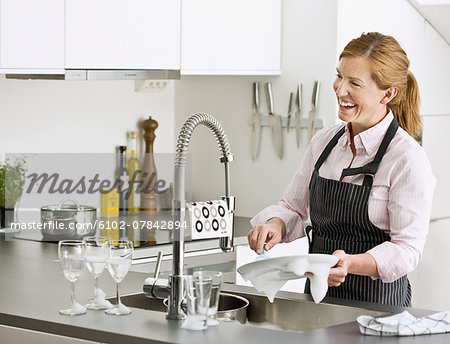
256	121
275	123
312	113
298	120
291	100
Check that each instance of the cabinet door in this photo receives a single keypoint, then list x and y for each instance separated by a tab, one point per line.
32	36
123	34
231	37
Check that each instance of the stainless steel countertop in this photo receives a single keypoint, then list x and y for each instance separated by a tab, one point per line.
33	289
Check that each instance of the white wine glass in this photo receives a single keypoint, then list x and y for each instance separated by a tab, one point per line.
94	256
119	255
71	258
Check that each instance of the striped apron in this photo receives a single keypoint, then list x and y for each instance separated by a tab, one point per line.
340	221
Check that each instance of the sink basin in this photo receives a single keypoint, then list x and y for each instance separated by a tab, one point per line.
231	307
299	315
285	313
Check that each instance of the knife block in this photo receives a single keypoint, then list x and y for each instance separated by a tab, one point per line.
149	173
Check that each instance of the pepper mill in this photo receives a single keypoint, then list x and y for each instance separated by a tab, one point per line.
149	174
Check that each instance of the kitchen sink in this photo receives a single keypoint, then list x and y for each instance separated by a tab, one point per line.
296	313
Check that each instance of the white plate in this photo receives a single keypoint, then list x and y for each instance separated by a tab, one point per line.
270	274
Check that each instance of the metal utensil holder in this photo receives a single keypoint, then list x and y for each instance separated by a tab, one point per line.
265	122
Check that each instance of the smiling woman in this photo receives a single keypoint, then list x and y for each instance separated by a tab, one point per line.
383	66
367	186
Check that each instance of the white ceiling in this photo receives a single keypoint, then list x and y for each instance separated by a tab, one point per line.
437	13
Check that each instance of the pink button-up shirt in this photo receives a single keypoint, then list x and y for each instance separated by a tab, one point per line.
399	203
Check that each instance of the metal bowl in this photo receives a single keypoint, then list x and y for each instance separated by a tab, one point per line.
231	307
67	221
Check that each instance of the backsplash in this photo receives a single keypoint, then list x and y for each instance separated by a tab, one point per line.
41	116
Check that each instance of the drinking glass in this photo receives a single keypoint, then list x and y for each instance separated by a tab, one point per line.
94	256
71	258
119	255
198	293
216	284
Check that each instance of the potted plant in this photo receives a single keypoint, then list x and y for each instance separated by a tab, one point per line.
12	180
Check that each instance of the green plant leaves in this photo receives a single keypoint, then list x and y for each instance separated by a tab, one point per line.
12	180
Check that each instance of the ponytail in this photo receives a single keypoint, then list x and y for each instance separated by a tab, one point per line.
406	107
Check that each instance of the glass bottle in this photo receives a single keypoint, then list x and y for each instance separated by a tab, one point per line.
122	177
134	172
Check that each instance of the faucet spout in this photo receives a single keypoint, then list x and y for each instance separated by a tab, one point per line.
179	203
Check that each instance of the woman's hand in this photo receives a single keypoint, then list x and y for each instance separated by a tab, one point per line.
340	270
270	234
358	264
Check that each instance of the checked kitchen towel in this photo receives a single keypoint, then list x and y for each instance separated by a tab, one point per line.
404	324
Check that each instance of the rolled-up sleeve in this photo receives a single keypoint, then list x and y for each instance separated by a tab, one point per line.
409	208
293	208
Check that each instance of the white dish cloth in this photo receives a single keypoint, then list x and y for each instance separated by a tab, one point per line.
404	324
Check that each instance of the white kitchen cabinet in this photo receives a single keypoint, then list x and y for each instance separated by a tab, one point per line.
122	34
435	138
231	37
32	36
435	86
430	281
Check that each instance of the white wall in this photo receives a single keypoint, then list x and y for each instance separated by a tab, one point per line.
46	116
308	54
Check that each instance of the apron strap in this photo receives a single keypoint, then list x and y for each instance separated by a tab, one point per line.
328	148
371	168
308	230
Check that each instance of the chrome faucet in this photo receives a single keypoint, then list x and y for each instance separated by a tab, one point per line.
174	287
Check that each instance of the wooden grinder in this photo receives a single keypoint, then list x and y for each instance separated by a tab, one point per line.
149	174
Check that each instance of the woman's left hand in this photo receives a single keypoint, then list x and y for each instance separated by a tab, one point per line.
340	270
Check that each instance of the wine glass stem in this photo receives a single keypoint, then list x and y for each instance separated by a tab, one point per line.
72	292
96	284
117	294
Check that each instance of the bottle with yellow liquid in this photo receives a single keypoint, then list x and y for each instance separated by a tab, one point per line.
109	214
135	175
110	228
109	203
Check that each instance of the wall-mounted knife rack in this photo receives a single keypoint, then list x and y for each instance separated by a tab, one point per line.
265	122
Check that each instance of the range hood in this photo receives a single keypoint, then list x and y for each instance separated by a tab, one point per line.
103	74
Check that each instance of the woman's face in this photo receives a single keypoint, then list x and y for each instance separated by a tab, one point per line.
359	98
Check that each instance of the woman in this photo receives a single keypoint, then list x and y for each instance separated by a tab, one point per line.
367	186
